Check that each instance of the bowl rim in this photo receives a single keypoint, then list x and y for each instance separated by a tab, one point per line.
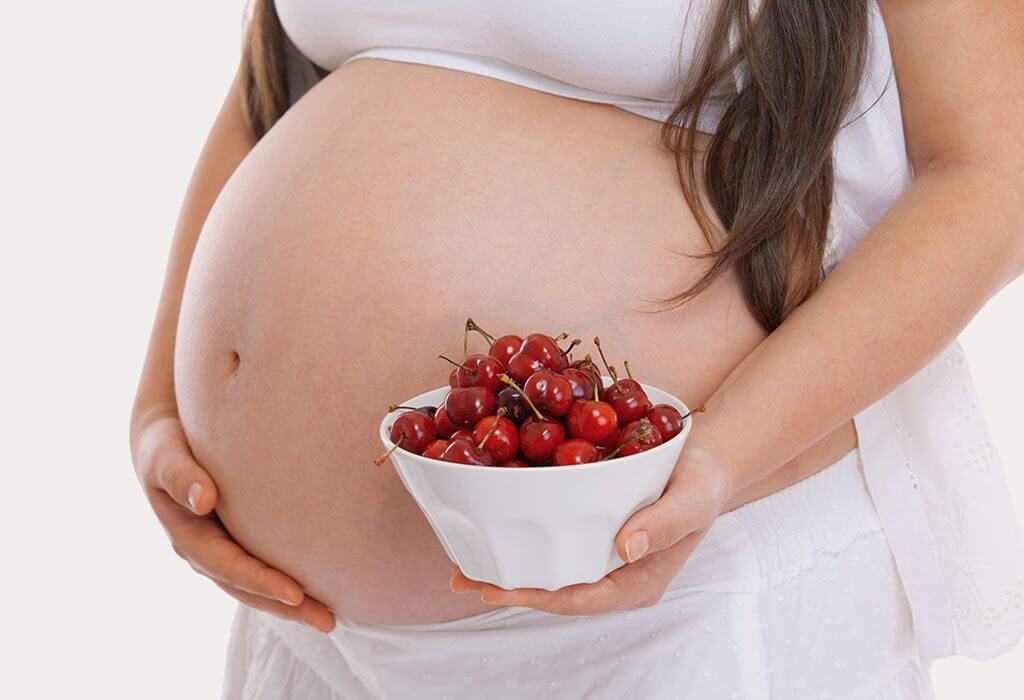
415	402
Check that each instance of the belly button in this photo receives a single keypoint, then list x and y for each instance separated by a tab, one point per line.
234	361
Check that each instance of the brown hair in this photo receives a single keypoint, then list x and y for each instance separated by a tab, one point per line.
767	172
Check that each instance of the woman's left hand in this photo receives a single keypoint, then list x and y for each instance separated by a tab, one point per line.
655	542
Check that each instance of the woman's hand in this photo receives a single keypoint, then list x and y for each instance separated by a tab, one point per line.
183	496
656	542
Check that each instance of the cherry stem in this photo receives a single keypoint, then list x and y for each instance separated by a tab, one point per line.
597	395
614	374
696	410
629	372
508	380
453	362
560	337
384	457
597	342
574	343
394	407
494	426
471	326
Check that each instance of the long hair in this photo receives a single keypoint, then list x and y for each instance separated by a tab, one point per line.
767	172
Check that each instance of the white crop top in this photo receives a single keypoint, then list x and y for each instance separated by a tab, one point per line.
946	512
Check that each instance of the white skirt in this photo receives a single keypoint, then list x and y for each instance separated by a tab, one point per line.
795	595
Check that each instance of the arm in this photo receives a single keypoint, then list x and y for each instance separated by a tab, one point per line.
953	239
180	491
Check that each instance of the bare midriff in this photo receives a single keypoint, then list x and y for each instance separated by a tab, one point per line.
346	252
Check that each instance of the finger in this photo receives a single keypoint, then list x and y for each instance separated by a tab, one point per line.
690	503
460	583
210	550
311	612
188	484
632	586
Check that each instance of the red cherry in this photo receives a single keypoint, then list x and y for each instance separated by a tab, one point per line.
595	421
581	381
514	463
466	406
550	392
631	405
465	452
638	436
445	427
502	442
505	347
462	434
587	366
537	352
435	450
538	438
475	370
573	452
413	431
666	419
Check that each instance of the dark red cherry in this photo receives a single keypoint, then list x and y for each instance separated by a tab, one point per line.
594	421
666	419
515	407
435	450
581	381
550	392
461	434
631	405
573	452
465	452
466	406
514	463
501	440
638	436
505	347
538	438
587	366
445	427
521	366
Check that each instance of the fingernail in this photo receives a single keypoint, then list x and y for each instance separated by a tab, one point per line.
489	602
451	583
291	603
637	545
194	492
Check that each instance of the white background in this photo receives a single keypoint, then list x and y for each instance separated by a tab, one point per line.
106	105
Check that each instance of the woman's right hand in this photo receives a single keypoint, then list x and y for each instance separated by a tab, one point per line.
183	497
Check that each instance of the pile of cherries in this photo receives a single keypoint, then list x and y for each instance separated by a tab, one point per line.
528	403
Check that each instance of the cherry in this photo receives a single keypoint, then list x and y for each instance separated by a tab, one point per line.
638	436
537	352
411	431
630	405
587	366
475	370
666	419
512	401
462	434
445	427
505	347
573	452
435	450
581	381
550	392
538	435
498	435
466	406
465	452
538	438
514	463
594	421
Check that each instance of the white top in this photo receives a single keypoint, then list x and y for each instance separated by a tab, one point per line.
947	513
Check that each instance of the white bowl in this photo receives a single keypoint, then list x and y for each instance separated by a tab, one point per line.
536	527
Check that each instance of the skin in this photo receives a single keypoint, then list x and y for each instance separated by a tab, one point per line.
948	245
179	420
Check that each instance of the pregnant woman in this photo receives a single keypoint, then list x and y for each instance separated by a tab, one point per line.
785	209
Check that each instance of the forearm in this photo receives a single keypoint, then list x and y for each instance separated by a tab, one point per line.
951	242
228	143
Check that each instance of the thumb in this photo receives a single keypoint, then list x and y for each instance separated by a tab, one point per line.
178	473
691	502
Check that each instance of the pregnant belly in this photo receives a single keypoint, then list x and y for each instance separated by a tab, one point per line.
388	205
